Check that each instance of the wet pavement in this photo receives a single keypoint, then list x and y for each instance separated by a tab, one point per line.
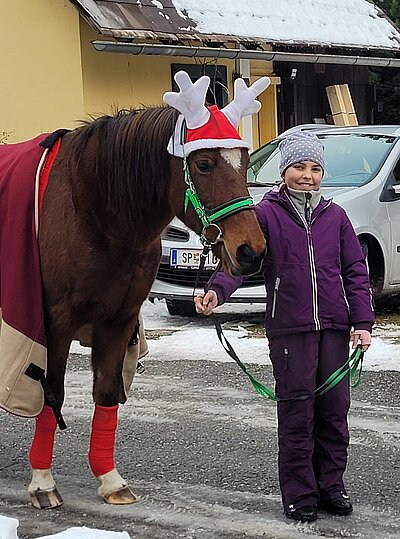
199	447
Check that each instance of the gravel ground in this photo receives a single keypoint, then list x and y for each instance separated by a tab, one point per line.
199	446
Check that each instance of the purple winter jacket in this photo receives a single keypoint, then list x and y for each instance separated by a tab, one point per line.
315	275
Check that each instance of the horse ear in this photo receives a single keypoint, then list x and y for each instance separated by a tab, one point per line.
244	100
190	100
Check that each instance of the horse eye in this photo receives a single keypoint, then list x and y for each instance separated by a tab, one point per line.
204	166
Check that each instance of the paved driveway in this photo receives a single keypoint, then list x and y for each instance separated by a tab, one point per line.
199	447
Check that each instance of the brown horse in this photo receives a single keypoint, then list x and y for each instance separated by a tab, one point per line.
112	189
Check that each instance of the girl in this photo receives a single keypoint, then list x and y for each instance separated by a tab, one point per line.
317	289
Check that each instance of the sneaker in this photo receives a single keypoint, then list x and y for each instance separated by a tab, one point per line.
308	513
341	505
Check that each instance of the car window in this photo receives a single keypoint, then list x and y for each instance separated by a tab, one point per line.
264	164
351	159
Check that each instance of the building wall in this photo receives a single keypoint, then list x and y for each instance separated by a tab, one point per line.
265	123
41	75
114	81
52	77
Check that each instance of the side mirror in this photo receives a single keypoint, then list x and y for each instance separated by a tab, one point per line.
396	189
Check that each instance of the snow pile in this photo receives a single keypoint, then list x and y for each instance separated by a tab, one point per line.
8	530
87	533
192	342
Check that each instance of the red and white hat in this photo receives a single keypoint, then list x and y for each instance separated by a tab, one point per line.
210	127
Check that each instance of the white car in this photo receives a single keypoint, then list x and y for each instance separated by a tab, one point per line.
362	175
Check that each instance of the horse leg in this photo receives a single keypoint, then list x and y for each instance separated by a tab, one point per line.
42	488
109	346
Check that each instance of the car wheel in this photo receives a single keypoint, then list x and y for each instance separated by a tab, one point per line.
180	308
375	268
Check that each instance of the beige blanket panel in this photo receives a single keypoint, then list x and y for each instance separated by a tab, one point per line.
24	396
20	394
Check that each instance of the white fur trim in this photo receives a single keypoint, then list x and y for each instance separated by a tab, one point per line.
175	147
215	143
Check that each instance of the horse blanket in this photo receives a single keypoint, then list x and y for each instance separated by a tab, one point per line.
24	168
22	336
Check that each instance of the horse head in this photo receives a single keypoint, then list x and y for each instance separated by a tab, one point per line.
217	204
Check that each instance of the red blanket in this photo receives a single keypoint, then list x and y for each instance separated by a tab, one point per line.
21	287
22	335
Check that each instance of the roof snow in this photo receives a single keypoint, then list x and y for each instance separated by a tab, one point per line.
338	23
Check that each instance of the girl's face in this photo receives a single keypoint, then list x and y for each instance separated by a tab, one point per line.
304	176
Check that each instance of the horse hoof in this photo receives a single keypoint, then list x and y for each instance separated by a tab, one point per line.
46	499
123	496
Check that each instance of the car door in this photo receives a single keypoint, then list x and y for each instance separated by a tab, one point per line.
391	195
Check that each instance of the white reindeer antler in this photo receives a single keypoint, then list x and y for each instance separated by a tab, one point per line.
244	101
190	100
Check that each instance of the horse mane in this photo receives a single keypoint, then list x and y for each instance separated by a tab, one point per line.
131	158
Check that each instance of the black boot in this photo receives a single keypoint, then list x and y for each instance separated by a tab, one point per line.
308	513
341	505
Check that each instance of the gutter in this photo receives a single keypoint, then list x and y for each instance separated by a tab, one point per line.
241	54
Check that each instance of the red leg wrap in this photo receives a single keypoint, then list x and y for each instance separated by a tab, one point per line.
102	439
41	454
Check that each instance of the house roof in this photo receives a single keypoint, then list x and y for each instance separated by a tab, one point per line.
354	24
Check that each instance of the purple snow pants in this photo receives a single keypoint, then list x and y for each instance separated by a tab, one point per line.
313	434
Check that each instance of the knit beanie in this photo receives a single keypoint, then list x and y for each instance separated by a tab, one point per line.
301	146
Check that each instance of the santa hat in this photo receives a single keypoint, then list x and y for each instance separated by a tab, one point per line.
199	126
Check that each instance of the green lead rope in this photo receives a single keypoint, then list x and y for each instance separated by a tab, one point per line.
353	367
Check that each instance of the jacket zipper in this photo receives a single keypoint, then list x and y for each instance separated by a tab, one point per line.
344	294
313	270
314	285
276	287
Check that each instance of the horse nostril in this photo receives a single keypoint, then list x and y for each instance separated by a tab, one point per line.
245	255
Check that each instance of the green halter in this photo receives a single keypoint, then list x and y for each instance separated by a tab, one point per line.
209	217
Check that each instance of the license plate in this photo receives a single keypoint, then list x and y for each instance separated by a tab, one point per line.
190	258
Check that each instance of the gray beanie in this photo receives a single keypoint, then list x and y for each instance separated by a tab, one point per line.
301	146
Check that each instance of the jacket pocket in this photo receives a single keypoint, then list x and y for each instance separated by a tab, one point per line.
275	296
344	294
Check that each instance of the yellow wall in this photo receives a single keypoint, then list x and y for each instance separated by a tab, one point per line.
51	76
124	80
265	123
113	80
40	75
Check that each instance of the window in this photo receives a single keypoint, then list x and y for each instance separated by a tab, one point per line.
217	93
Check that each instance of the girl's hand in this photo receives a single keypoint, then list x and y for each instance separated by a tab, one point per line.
206	304
364	337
